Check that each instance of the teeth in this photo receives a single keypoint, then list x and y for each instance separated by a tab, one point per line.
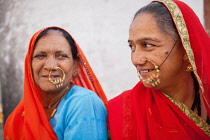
144	71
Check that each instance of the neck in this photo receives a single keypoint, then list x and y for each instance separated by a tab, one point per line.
183	91
50	99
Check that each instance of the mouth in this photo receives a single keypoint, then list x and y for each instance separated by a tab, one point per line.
51	76
145	72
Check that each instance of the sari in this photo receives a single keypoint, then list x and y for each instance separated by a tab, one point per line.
143	113
29	120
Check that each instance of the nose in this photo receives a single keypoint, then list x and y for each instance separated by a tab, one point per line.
50	63
138	57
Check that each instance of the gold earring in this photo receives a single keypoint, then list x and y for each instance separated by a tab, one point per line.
189	68
185	58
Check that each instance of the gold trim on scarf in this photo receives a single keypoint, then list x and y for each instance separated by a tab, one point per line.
178	19
192	115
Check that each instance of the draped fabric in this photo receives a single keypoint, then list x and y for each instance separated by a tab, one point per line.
28	120
147	114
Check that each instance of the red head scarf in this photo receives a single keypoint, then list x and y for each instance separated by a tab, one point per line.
195	41
28	120
146	114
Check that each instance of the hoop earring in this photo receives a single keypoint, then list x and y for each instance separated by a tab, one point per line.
57	82
154	78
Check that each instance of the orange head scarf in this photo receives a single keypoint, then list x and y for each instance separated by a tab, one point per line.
28	120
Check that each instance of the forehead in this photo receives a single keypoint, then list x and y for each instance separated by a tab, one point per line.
52	39
145	25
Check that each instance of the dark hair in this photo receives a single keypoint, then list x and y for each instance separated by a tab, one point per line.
66	35
162	16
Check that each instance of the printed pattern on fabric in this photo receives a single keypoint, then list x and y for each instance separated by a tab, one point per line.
127	117
192	115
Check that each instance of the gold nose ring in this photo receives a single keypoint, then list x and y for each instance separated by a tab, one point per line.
143	60
152	79
57	82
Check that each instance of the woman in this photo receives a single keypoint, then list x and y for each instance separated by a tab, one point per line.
55	104
170	50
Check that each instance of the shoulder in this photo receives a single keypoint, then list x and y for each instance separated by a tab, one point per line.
78	93
119	98
82	97
124	97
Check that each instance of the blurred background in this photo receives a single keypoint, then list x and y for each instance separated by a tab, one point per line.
100	27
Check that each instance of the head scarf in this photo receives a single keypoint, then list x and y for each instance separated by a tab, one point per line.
195	41
28	120
143	113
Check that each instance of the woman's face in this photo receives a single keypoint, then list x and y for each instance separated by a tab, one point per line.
52	51
148	42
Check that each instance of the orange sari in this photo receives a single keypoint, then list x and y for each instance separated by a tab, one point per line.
28	120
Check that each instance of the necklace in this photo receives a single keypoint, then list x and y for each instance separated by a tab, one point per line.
47	107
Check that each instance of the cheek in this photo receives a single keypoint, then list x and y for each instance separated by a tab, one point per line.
159	58
68	69
132	59
35	68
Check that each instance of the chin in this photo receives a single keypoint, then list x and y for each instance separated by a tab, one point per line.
151	86
48	88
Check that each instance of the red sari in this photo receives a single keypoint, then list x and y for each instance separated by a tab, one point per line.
147	114
28	120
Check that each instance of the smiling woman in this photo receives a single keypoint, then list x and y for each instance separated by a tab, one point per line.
171	101
62	96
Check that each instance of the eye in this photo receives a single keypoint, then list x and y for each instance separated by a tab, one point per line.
39	56
132	46
62	56
148	45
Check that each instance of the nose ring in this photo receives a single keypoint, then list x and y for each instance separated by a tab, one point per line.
152	79
57	82
143	60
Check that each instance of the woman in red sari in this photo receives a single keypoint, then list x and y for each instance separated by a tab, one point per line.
59	93
170	51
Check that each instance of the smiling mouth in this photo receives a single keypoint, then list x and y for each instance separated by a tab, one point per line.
51	76
146	71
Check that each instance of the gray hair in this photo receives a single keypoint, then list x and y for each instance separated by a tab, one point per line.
162	16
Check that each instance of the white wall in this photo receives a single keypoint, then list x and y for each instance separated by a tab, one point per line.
99	26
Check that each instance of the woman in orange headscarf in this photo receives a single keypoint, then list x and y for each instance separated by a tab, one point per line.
59	93
170	51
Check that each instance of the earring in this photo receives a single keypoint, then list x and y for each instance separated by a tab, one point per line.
185	58
189	67
57	82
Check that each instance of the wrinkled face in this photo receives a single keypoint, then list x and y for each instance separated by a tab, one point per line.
148	42
52	51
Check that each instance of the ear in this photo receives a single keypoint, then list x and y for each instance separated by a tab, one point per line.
75	66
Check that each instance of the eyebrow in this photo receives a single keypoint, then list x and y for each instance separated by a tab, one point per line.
59	52
145	39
